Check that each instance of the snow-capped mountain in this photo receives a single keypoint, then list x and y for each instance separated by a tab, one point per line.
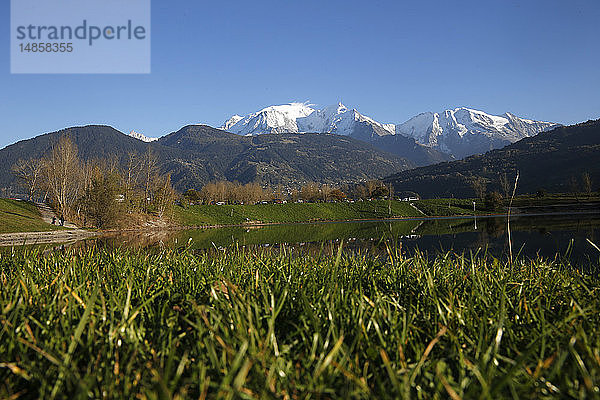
231	122
463	131
457	133
141	137
303	118
340	120
274	119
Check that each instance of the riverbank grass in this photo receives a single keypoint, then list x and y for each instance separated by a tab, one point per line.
257	324
198	215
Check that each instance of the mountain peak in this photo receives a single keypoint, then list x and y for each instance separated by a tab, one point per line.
273	119
458	132
303	118
141	137
464	131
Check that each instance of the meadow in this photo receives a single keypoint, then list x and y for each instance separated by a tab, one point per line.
251	324
292	212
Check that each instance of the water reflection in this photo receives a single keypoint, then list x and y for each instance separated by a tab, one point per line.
548	236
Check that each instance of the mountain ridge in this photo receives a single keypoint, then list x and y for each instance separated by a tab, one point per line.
198	154
550	161
457	133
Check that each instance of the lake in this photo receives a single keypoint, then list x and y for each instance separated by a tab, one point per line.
548	236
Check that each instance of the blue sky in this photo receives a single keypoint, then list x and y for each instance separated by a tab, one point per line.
389	59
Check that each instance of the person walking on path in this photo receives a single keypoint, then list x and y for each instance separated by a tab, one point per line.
54	220
62	220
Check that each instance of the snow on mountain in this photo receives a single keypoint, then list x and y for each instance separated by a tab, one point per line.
302	118
231	122
141	137
463	131
274	119
458	133
340	120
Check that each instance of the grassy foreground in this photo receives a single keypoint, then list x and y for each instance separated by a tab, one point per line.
292	212
21	216
115	324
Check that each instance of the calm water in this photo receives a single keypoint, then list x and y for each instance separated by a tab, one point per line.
549	236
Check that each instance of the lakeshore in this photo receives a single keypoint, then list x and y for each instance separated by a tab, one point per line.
31	227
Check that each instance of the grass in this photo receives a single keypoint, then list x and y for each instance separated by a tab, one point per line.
450	207
200	215
241	324
21	216
555	199
457	207
292	212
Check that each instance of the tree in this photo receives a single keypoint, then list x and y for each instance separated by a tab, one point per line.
325	192
337	195
191	196
478	184
164	195
131	176
63	174
371	187
574	186
587	183
505	185
101	200
29	173
493	201
310	192
149	165
361	192
380	191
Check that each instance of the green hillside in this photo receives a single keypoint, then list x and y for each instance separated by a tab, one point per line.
21	216
554	161
198	154
284	213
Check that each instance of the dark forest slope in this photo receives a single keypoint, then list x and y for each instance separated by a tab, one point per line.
554	161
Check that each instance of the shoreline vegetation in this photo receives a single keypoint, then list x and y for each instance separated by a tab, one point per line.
22	221
264	323
133	193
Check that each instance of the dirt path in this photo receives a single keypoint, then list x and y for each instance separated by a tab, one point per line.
32	238
416	208
48	214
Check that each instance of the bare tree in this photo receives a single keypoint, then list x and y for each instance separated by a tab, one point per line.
479	185
310	192
325	192
62	173
29	173
164	195
371	187
574	186
587	183
361	192
505	185
131	176
257	193
149	164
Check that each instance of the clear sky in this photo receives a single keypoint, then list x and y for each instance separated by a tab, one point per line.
390	59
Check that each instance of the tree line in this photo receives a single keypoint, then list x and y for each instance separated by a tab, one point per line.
96	192
494	199
252	193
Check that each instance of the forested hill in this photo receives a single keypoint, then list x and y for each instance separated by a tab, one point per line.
198	154
555	161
